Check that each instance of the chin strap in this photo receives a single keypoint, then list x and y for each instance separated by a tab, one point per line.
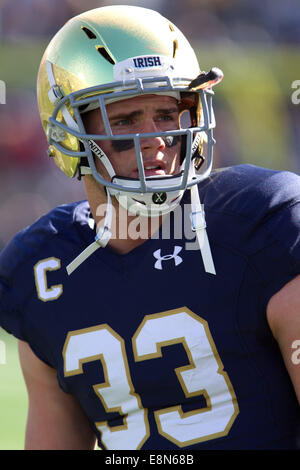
101	239
104	234
199	226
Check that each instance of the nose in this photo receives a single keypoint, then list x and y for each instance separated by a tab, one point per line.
156	143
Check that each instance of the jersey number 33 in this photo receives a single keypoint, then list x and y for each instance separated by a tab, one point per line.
203	375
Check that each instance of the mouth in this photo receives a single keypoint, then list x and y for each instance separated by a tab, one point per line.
152	169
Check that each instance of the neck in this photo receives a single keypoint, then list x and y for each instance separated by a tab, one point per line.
128	231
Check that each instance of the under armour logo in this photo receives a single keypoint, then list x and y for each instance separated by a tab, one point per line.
177	259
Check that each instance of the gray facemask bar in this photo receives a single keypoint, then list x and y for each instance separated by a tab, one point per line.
134	87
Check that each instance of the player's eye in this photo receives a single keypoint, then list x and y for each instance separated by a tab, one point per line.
122	122
165	117
168	120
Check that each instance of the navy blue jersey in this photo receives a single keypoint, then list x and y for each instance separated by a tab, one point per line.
160	354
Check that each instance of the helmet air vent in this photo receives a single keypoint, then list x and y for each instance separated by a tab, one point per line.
105	54
175	47
175	41
89	32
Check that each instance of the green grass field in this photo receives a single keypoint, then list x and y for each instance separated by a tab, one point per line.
13	398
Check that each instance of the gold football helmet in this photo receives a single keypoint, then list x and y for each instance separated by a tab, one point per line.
114	53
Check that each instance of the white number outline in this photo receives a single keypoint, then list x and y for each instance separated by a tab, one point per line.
99	389
138	357
179	372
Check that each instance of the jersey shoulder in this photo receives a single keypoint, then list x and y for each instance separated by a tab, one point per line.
250	190
254	206
58	224
255	213
55	232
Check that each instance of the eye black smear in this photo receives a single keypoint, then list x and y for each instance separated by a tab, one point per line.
122	145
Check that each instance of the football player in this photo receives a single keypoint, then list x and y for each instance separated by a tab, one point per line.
164	311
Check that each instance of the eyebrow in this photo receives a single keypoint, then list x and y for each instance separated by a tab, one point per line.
138	113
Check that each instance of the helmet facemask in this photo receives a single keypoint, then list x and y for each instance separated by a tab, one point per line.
148	196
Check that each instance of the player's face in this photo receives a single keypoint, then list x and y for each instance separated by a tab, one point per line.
142	114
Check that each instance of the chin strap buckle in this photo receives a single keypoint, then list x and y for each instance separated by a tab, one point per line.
101	239
55	94
198	220
103	236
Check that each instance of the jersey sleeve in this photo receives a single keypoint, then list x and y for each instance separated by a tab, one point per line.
54	234
255	212
276	259
15	290
11	295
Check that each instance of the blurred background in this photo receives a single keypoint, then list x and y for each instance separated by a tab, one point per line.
255	43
